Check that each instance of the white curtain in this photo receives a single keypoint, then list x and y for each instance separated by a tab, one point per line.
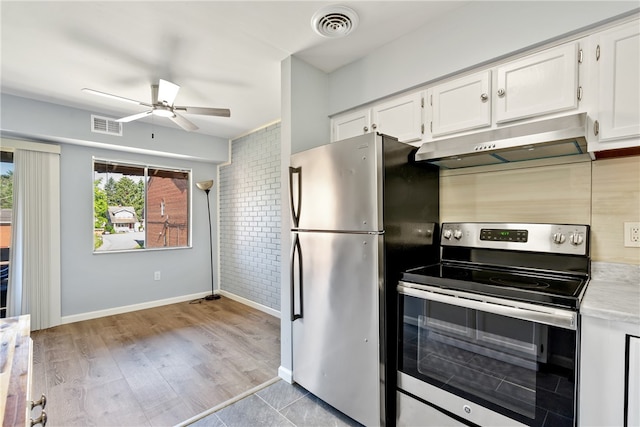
34	277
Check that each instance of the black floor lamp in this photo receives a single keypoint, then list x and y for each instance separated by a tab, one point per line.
206	187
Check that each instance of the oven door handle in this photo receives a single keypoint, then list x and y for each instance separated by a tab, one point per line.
538	314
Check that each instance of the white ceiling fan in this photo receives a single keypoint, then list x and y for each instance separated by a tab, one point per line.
163	94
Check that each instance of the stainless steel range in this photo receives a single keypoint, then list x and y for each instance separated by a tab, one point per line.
489	336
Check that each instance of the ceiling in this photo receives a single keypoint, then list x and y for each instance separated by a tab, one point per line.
223	54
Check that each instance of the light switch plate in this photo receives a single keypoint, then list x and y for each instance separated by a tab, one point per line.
632	234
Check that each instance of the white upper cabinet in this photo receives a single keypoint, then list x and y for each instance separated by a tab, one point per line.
538	84
618	54
400	118
560	80
461	104
350	124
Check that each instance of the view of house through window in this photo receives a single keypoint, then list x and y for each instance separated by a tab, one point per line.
6	206
139	206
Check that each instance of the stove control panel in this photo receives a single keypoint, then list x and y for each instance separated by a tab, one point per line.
551	238
503	235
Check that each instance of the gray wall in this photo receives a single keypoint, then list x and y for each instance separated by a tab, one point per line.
250	218
103	282
94	282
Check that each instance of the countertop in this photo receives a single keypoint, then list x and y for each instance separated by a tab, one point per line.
15	361
613	293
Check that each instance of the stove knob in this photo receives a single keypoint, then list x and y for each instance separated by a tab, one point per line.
559	238
457	234
576	239
446	234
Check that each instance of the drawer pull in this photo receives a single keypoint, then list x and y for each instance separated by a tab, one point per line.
42	419
42	402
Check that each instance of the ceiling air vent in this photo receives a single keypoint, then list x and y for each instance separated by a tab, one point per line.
105	125
334	21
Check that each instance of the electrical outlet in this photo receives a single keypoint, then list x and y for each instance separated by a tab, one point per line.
156	275
632	234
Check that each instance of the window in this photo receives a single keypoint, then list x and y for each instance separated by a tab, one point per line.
6	207
140	206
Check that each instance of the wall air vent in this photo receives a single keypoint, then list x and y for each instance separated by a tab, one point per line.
105	125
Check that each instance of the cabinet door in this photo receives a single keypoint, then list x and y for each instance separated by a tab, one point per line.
543	83
619	95
400	118
351	124
633	383
462	104
602	367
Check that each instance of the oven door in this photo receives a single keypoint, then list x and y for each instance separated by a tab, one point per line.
485	360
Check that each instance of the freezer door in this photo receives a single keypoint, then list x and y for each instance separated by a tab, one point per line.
338	186
336	342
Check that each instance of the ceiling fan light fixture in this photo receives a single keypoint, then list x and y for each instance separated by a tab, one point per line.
162	96
334	21
163	112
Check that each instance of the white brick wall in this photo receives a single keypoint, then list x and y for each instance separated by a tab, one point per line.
250	218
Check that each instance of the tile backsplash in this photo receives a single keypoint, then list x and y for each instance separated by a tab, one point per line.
603	194
615	200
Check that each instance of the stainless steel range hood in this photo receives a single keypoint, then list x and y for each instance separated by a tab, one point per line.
561	136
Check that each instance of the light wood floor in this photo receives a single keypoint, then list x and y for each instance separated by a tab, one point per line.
159	366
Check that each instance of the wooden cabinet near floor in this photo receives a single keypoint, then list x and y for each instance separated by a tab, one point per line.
16	359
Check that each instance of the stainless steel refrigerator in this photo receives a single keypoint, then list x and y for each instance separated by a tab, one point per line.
362	212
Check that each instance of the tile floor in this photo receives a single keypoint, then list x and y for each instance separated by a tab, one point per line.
279	404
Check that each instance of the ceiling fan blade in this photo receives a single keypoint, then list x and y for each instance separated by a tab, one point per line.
183	123
134	117
220	112
116	97
167	92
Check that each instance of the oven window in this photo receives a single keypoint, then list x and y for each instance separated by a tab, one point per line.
521	369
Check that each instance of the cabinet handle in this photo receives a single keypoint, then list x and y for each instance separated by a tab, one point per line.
501	92
596	128
42	419
42	402
366	129
484	97
374	126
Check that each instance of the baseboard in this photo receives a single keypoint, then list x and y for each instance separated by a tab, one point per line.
285	374
250	303
129	308
158	303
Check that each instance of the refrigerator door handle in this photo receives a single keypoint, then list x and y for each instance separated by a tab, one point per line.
296	251
295	210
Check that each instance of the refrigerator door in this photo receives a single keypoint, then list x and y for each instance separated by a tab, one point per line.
338	186
336	353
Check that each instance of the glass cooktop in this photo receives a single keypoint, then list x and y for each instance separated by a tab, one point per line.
547	289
